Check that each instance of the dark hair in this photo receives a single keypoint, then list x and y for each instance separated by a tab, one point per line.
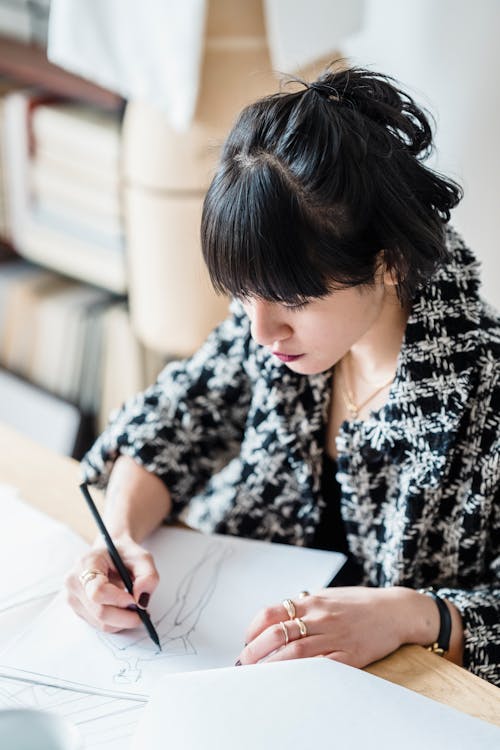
313	183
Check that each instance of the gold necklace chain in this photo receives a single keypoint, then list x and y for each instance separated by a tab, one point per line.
348	396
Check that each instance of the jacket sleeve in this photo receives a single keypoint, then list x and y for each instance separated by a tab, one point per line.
480	610
187	425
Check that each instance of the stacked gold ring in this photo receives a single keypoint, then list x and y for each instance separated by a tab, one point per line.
285	632
292	614
290	608
89	575
302	627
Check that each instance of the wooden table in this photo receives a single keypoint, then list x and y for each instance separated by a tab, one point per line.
50	482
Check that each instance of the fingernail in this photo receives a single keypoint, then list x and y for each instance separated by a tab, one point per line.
238	663
144	600
246	644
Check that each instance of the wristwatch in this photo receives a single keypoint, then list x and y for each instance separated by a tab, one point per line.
442	645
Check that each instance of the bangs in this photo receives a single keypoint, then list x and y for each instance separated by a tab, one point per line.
257	240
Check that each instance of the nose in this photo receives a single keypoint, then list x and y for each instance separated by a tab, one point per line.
268	323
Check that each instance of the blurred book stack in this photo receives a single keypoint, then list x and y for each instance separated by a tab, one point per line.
75	170
71	339
67	349
26	20
61	171
6	87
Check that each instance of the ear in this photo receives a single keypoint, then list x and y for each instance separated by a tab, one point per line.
387	275
390	278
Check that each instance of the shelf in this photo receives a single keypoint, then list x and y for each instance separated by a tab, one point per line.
27	63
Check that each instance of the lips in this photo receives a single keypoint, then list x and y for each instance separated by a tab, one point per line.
287	357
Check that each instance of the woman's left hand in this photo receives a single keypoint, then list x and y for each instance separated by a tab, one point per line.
354	625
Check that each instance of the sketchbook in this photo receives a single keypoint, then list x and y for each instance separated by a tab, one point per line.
210	589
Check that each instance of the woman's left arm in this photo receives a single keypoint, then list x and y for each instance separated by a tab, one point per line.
358	625
355	625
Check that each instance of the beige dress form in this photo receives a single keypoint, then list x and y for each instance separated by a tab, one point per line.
167	173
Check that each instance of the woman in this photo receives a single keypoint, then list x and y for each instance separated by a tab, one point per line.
349	402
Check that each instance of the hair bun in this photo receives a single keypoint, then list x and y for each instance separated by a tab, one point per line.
378	97
324	89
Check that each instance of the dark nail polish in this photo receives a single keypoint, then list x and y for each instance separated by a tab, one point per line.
238	663
144	600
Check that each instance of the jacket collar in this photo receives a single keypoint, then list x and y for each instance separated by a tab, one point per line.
435	372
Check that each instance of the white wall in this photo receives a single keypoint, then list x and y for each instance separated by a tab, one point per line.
447	53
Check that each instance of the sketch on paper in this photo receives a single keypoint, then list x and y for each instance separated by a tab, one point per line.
176	627
210	588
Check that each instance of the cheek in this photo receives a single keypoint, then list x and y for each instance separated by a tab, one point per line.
331	336
360	311
340	331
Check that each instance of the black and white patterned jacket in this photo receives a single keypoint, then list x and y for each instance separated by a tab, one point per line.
238	439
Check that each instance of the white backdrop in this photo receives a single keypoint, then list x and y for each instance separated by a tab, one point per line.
447	53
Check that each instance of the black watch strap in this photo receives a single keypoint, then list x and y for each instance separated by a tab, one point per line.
442	644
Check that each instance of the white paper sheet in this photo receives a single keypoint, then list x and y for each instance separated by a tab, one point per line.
302	704
104	723
211	587
36	552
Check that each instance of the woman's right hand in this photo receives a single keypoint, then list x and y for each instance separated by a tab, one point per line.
102	600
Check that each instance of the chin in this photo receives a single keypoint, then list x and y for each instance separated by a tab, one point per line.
303	367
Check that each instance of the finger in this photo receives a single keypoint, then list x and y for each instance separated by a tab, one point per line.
273	615
100	591
113	617
85	615
145	575
97	563
274	638
96	559
105	617
314	645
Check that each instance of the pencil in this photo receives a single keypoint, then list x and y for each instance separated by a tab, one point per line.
119	564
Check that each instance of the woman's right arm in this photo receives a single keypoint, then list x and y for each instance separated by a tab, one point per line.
157	452
136	501
136	504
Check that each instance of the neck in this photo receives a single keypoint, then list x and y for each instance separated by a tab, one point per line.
375	355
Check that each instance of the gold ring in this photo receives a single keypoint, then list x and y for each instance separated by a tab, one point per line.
89	575
285	632
303	594
290	608
302	627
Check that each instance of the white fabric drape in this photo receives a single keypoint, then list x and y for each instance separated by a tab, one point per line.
149	50
153	50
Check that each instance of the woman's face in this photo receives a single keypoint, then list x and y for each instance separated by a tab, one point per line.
312	338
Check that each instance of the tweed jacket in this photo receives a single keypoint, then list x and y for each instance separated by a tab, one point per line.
238	439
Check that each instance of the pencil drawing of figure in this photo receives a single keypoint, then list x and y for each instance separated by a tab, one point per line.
177	626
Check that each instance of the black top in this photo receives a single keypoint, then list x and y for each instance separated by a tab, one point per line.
330	534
